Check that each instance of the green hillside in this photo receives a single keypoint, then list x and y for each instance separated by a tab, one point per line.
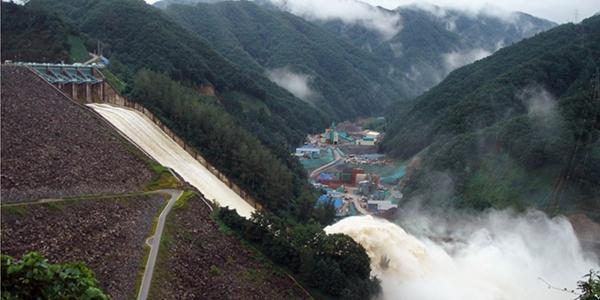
246	128
33	35
346	81
141	36
518	128
433	41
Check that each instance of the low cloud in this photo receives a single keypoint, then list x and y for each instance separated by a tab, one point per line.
538	100
296	83
542	110
387	24
457	59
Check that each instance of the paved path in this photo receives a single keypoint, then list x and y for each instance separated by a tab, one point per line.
154	243
91	60
337	159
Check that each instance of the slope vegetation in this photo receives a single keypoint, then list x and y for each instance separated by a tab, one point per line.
141	36
518	128
32	35
312	63
249	124
52	147
197	260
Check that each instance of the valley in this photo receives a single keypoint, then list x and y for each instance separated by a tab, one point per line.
301	149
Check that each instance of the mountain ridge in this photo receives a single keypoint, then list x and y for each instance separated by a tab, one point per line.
523	111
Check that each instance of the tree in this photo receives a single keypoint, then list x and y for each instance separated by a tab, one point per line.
33	277
334	264
590	288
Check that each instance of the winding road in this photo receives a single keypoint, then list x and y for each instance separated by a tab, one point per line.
154	243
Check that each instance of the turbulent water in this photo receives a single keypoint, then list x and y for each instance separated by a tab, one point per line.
496	256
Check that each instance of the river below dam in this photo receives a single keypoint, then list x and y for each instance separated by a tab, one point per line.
499	255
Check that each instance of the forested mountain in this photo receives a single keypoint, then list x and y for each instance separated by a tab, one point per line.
141	36
33	35
433	41
421	45
312	63
241	121
520	127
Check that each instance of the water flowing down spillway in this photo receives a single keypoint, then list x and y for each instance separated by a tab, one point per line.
149	137
499	256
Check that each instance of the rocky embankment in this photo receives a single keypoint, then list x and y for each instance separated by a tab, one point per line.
52	147
199	261
106	234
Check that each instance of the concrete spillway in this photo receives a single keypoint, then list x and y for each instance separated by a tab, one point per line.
149	137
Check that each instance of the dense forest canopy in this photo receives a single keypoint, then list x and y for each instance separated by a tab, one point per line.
518	128
343	80
267	120
141	36
233	150
33	35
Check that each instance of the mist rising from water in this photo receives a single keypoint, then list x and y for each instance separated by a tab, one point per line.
495	256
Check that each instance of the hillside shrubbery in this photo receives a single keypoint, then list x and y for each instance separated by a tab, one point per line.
32	277
334	264
518	128
346	81
590	288
33	35
140	36
226	145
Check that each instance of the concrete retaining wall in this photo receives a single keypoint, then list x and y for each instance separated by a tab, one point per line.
112	97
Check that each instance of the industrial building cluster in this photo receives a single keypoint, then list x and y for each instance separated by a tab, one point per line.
337	160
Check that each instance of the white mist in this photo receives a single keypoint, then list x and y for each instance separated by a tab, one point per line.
495	256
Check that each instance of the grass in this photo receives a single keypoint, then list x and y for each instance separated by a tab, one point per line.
77	51
59	203
183	199
161	270
215	271
113	80
164	239
163	178
20	210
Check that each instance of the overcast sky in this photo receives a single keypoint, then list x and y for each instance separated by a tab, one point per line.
560	11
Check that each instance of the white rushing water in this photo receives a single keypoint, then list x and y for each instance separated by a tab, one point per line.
496	256
146	135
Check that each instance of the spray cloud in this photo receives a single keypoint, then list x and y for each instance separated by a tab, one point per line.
499	255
